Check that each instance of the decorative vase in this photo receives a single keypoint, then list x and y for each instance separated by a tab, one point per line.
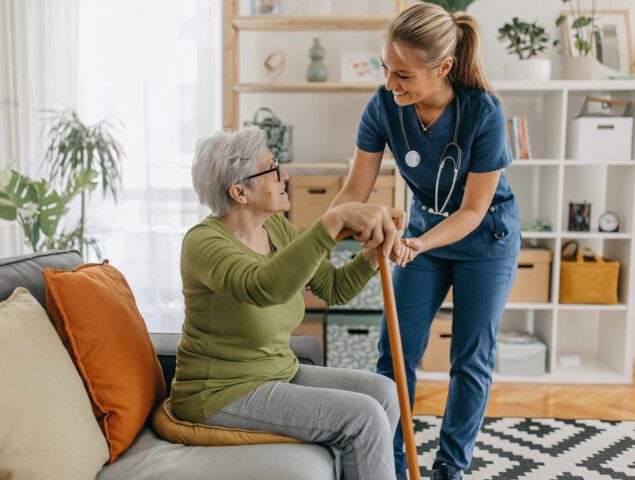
580	68
316	72
533	69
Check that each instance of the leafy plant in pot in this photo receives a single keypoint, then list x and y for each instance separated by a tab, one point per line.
75	147
452	5
580	61
526	41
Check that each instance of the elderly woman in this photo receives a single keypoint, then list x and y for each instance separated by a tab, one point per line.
243	269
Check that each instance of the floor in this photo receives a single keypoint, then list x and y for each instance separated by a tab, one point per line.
604	402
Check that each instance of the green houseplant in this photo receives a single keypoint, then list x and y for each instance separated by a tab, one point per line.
76	147
452	5
526	41
580	62
39	208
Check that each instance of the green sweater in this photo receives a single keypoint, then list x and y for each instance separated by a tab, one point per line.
241	307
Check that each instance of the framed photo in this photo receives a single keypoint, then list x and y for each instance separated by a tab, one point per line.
579	217
267	7
612	39
361	67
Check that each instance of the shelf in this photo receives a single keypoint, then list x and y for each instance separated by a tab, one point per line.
516	306
517	162
595	235
527	235
289	23
558	85
586	163
590	370
306	87
620	307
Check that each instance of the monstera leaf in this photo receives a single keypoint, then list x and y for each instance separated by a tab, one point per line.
36	205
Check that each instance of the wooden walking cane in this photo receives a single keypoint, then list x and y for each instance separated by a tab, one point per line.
394	335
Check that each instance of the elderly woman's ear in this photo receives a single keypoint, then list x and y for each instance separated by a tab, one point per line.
237	193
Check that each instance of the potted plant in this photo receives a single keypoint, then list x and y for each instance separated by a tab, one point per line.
39	208
580	61
452	5
525	41
75	147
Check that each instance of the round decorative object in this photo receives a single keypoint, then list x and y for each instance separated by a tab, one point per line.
609	222
413	158
274	65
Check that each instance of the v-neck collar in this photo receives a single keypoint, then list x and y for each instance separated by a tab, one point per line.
433	134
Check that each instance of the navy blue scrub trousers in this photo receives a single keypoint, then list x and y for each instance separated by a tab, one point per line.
480	291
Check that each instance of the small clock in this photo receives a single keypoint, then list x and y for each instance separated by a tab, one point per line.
609	222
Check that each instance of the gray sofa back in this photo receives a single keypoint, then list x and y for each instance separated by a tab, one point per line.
26	271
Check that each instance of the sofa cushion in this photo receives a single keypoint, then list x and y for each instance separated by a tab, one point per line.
26	271
48	429
197	434
95	315
150	458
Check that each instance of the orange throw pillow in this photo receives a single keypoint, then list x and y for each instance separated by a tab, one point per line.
95	314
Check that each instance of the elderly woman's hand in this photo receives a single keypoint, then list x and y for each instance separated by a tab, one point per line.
374	224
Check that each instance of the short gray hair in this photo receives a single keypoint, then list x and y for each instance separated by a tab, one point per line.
221	161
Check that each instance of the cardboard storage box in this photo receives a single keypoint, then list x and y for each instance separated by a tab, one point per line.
351	340
311	196
601	139
437	355
520	353
533	279
383	192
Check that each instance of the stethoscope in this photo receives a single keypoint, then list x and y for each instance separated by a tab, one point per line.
413	159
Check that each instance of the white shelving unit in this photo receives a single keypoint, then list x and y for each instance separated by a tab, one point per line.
600	335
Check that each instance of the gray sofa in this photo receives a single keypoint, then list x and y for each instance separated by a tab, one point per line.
149	457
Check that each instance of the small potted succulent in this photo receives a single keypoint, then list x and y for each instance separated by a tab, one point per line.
525	41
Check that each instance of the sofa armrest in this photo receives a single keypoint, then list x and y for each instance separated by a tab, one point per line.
305	347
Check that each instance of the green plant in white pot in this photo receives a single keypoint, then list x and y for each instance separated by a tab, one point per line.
526	42
579	29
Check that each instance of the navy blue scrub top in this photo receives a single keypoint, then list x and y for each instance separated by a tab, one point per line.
485	147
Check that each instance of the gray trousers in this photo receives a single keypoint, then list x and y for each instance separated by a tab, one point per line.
354	411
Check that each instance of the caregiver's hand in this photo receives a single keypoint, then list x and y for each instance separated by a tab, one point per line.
374	224
416	244
401	253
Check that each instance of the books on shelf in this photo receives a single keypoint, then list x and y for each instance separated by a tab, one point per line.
519	137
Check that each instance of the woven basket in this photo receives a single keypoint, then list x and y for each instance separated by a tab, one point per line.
584	280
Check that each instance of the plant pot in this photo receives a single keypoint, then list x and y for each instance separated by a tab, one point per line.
580	68
533	69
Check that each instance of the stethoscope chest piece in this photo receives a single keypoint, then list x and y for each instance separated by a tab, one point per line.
413	158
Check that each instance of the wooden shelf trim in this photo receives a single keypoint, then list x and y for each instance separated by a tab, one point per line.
287	23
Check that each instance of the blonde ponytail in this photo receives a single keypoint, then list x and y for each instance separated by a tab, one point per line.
435	34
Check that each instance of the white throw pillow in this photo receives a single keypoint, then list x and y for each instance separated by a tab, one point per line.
47	426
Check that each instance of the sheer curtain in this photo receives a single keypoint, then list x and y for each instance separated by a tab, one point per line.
153	68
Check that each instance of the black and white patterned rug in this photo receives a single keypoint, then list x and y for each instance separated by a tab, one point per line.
540	449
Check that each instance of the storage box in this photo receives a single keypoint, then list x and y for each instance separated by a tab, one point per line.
351	340
313	302
533	279
601	139
371	297
437	355
383	192
520	353
311	196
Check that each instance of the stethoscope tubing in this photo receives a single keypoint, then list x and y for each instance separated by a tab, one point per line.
413	158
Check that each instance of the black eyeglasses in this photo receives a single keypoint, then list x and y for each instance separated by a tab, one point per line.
274	169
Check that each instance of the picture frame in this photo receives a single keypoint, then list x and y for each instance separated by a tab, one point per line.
613	39
361	67
579	217
266	7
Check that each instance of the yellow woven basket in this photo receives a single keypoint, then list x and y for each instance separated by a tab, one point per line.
584	280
